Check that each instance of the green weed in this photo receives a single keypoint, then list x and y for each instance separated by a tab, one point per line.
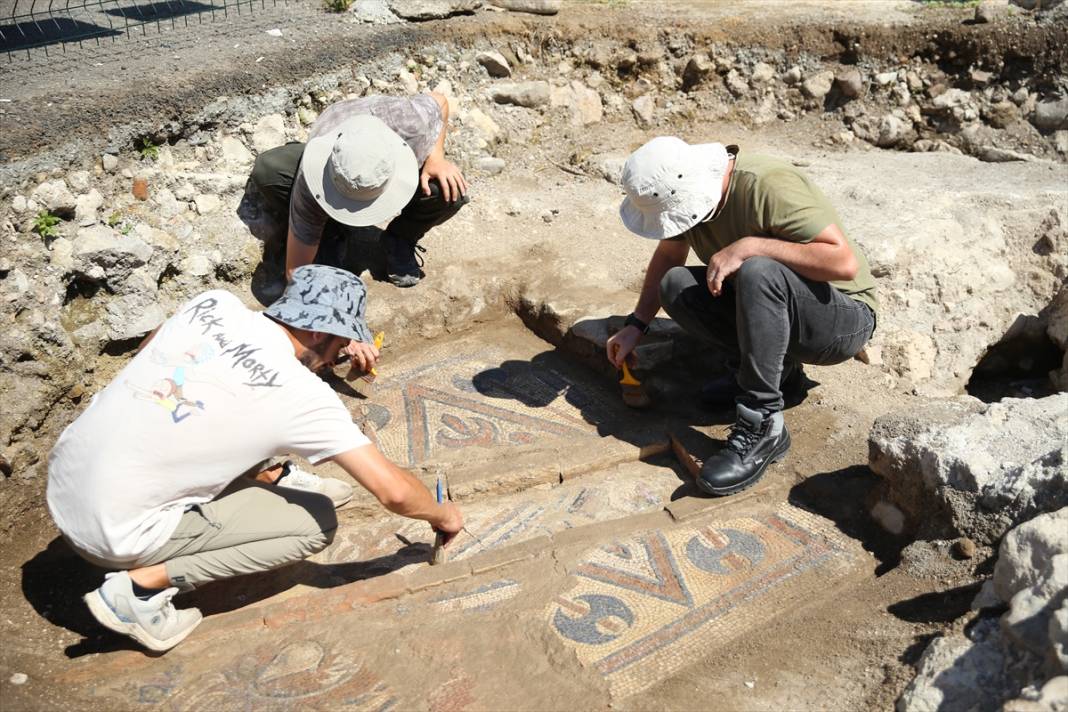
45	225
337	5
148	149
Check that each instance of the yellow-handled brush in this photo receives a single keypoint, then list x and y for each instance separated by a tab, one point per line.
634	395
362	382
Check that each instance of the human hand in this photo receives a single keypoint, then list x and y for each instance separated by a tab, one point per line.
452	182
620	346
451	522
364	356
723	264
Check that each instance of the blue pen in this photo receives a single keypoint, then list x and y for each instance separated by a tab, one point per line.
437	554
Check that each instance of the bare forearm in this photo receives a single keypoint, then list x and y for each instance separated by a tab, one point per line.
298	254
818	261
666	256
438	152
414	500
394	487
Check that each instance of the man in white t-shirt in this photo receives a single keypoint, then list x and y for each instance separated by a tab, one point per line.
140	482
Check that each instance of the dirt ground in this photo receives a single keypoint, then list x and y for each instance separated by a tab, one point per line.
562	468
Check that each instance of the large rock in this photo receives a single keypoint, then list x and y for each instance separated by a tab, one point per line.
1052	697
1057	330
87	206
232	150
1022	655
374	12
132	315
55	197
270	133
483	123
644	108
535	7
528	94
818	85
696	70
1052	114
850	83
1037	4
988	11
103	254
963	468
885	131
961	674
1031	575
422	10
581	102
494	63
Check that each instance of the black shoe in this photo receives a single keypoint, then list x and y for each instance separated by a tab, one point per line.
722	392
403	260
755	442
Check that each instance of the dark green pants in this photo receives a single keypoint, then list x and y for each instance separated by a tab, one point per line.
276	170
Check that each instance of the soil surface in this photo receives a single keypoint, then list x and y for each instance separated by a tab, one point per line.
786	597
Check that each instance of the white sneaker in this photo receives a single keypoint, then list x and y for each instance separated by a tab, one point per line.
295	478
155	623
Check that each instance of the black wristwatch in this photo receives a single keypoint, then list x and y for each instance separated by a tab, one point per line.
634	321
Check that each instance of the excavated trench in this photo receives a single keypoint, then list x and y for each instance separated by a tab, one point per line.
603	536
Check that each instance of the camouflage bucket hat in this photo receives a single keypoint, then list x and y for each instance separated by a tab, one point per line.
324	299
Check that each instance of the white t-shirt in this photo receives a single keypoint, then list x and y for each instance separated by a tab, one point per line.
216	391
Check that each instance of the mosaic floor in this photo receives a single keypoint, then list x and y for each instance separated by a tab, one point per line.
469	394
305	674
641	609
500	521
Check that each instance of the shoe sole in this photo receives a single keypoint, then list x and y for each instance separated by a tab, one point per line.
336	502
341	503
107	618
779	454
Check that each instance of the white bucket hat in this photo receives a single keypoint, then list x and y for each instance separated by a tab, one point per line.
361	172
671	186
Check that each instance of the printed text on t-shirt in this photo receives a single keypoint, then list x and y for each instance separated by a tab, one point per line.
242	355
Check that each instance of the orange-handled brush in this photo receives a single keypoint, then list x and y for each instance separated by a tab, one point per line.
631	388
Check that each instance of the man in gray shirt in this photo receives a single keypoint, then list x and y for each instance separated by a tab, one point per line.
366	160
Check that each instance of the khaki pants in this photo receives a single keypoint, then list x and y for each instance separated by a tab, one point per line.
250	527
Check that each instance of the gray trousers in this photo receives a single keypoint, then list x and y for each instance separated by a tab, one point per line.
250	527
767	315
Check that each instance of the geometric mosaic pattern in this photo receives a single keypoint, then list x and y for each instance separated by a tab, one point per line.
450	401
502	521
301	675
643	608
482	598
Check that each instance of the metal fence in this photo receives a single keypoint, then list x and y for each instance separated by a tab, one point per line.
53	25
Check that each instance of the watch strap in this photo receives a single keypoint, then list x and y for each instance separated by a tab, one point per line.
634	321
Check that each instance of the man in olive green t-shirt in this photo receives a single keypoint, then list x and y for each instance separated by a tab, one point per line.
783	284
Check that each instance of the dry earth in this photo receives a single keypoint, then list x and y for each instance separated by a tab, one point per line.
600	578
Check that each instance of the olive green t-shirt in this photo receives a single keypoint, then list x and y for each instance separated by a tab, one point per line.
768	197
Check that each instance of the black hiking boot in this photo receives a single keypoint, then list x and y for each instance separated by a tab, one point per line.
755	442
722	392
403	260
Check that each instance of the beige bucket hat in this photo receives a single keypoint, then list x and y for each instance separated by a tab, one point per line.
671	186
361	172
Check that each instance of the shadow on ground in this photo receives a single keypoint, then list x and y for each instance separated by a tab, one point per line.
54	581
842	497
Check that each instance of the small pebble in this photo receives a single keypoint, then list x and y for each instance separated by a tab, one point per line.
19	678
965	548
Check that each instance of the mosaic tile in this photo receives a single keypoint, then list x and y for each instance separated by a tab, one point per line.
300	675
638	610
450	401
482	598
